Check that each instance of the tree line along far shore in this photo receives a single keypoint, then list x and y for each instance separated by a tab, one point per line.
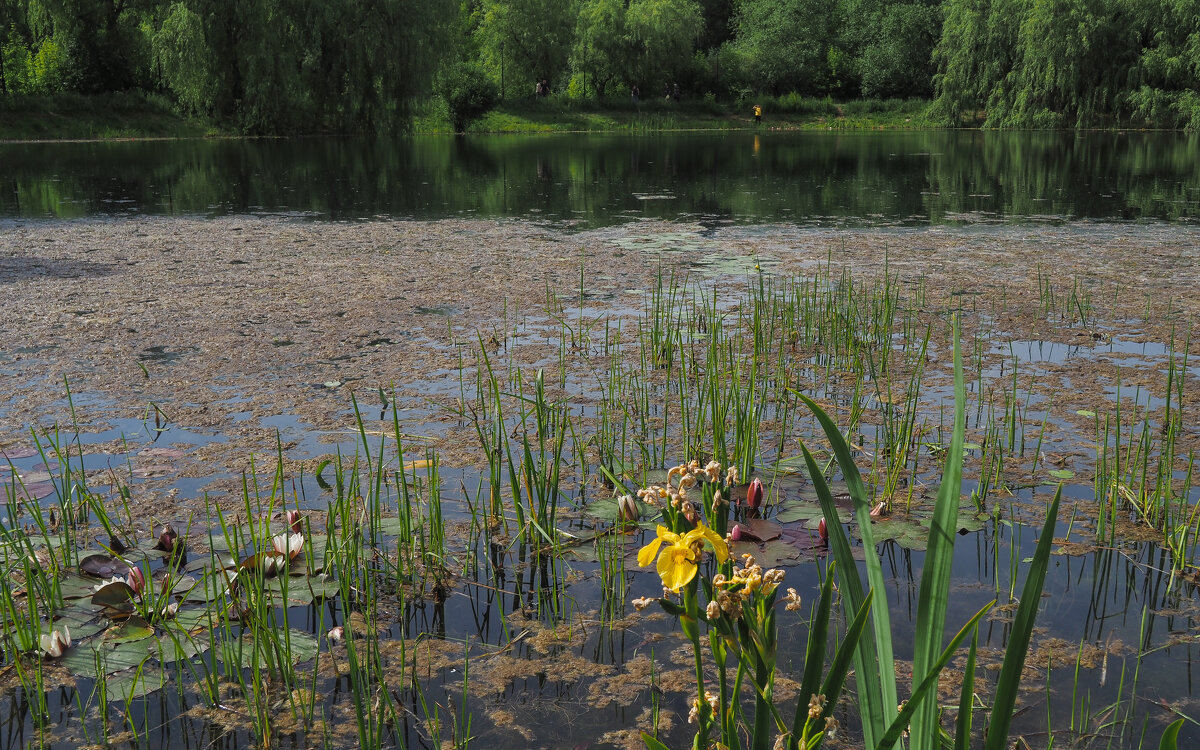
273	66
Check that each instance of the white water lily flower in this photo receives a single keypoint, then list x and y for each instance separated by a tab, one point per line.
288	544
272	562
109	582
55	643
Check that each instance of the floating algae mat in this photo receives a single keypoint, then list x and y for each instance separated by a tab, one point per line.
219	547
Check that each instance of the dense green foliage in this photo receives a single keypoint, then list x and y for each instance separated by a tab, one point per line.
358	65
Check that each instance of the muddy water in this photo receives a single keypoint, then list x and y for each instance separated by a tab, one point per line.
193	346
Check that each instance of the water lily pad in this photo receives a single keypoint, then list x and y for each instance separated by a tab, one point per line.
133	629
194	618
908	532
800	511
1062	473
772	554
82	658
103	566
84	623
758	529
177	645
1085	412
117	595
34	491
299	646
76	587
134	683
606	509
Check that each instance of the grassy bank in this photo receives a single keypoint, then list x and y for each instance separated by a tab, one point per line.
78	117
562	114
137	115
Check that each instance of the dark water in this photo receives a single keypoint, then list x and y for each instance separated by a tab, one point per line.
854	179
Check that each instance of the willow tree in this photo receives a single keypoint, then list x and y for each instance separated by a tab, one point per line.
527	40
662	35
601	51
785	45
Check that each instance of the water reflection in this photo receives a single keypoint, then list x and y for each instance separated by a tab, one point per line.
872	178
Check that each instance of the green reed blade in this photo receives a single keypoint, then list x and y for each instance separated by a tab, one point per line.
818	634
966	699
874	652
934	596
929	683
839	668
1022	630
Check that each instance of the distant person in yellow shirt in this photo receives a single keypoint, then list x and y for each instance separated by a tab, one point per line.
757	113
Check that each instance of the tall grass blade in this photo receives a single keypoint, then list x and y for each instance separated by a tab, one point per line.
966	699
1022	630
934	596
874	653
929	684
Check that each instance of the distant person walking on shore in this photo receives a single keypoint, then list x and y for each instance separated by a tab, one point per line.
635	94
757	114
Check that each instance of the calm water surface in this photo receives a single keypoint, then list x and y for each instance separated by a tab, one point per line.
853	179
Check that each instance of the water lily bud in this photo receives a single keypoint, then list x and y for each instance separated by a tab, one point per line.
754	495
735	534
294	521
823	530
877	511
336	634
627	509
168	538
136	579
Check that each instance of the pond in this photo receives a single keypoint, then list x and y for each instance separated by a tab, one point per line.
210	334
817	178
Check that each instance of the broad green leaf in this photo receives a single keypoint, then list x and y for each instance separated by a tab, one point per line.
1009	681
133	629
934	593
135	683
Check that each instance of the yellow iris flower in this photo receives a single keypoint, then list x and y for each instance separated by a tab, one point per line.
677	563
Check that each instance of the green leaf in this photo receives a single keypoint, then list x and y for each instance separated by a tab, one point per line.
118	596
934	594
929	683
134	683
293	645
1062	473
652	743
114	657
805	512
1170	738
877	696
133	629
1009	681
966	699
